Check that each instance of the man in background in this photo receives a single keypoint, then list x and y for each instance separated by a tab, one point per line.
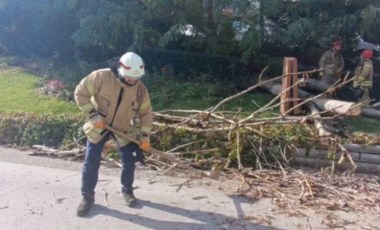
331	63
363	77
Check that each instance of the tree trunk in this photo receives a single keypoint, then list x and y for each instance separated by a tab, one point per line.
359	149
376	105
366	162
317	163
322	131
370	112
325	104
323	154
315	85
338	107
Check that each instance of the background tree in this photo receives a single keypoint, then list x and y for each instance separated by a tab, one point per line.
256	32
39	28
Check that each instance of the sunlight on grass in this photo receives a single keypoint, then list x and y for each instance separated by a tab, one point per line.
20	94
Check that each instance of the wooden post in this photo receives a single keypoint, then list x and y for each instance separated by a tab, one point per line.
294	94
289	97
286	83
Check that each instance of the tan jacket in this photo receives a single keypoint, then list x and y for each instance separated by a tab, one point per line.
101	91
364	74
330	63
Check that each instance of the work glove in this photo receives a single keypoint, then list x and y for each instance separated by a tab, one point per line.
139	156
97	120
355	84
145	146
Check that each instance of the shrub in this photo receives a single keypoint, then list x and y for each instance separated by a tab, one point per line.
55	88
48	130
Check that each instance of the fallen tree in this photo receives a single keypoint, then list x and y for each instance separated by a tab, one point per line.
324	104
370	112
327	104
316	158
314	84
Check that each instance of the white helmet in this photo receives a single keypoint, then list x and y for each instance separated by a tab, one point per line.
131	65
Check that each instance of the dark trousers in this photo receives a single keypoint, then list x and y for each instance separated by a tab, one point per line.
365	97
92	163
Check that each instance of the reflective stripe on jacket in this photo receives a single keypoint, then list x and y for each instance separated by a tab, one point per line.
100	90
364	74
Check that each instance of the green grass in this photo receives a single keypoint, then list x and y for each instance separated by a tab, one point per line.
19	94
249	102
171	93
363	125
238	108
244	104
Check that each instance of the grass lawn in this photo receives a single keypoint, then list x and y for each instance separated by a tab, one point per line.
363	125
246	103
19	93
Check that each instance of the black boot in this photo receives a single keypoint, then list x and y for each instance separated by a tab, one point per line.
129	198
85	206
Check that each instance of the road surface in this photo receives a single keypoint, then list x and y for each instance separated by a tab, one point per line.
43	193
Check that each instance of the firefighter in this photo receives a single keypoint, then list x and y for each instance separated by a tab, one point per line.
113	96
332	63
363	76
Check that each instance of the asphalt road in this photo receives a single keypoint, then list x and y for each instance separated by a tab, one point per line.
43	193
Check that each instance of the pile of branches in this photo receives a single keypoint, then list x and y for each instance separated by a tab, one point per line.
311	190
